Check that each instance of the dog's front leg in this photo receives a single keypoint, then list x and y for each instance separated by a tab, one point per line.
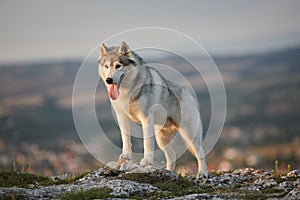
148	134
124	124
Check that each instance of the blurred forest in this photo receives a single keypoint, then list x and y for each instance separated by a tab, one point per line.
37	131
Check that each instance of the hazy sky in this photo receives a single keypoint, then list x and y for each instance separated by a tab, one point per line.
50	29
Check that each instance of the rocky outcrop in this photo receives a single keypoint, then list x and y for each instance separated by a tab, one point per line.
129	180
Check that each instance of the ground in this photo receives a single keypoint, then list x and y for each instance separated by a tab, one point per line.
124	179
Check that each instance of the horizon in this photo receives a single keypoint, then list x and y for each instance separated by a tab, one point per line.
150	57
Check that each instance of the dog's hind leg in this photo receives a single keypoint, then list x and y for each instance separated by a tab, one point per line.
163	139
194	144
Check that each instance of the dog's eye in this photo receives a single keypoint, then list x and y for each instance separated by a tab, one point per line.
106	66
118	66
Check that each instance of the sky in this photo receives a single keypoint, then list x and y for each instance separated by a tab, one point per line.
34	30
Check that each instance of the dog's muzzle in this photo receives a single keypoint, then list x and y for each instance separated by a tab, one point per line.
116	78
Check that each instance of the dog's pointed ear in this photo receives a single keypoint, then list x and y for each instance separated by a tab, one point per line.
103	49
124	49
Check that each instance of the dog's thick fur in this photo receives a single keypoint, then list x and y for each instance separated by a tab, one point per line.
135	90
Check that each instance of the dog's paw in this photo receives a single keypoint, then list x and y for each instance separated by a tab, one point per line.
125	156
202	176
145	162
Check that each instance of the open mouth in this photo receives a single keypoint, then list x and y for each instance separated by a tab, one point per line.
113	89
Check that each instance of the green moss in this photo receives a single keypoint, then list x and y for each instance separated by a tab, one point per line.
272	190
279	178
179	187
235	192
264	194
27	180
24	180
161	182
89	194
251	195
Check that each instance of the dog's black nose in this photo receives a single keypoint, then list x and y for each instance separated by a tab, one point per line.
109	80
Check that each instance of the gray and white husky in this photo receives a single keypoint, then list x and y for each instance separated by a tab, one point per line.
139	93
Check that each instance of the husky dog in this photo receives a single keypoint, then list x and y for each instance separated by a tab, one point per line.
135	90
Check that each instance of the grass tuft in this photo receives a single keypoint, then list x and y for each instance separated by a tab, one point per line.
289	168
276	166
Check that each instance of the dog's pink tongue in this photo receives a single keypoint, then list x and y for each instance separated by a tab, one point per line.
113	91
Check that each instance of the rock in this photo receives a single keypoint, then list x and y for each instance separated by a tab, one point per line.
294	194
123	165
294	173
286	185
124	188
215	186
197	196
264	182
244	171
270	183
296	183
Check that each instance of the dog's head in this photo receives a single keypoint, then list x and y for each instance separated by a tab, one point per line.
113	64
